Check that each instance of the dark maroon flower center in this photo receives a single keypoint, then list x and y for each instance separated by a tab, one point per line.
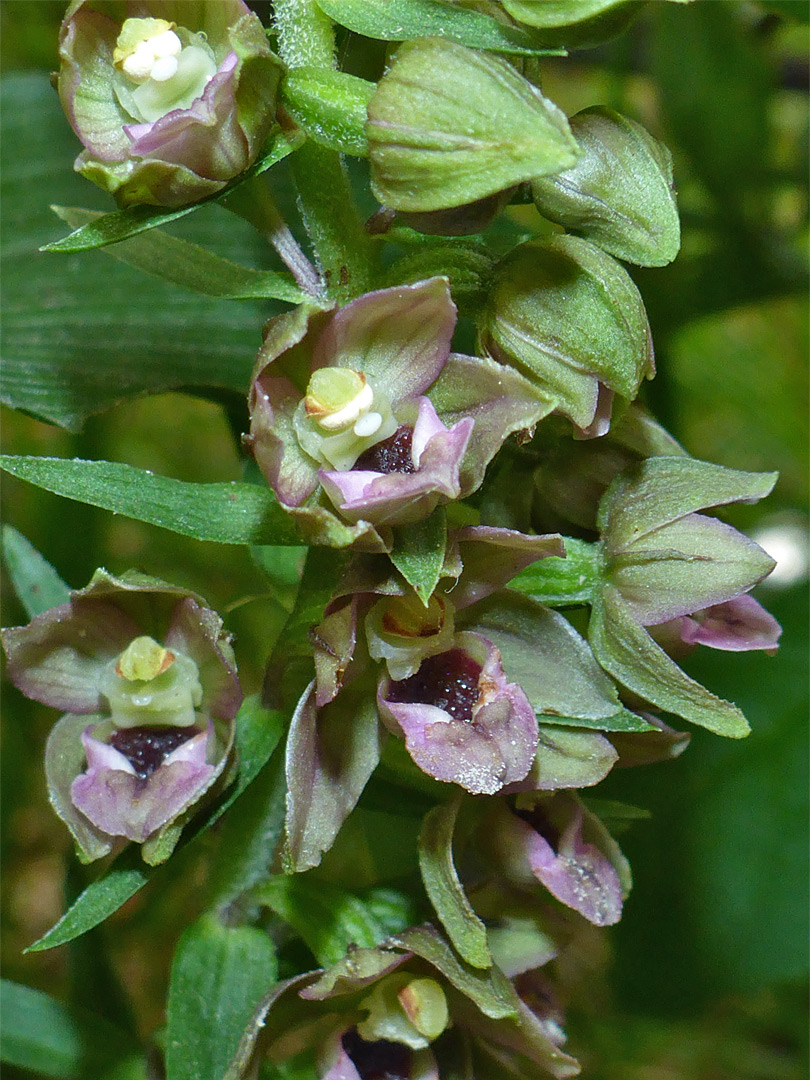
541	823
146	747
449	681
380	1060
391	455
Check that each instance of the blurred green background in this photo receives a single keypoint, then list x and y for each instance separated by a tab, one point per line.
707	979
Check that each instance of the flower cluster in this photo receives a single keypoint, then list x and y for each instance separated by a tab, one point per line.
521	554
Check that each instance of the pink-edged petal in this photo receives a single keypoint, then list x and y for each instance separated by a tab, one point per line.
426	427
402	498
491	557
600	424
120	803
737	625
206	137
400	337
493	748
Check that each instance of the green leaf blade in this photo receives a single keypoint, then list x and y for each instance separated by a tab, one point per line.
35	581
223	513
219	976
418	552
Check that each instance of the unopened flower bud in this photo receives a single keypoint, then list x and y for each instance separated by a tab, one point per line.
448	126
619	194
569	317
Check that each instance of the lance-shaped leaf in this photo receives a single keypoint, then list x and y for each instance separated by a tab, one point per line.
402	20
120	225
625	650
448	126
331	753
569	317
442	885
35	581
225	513
418	552
219	975
192	266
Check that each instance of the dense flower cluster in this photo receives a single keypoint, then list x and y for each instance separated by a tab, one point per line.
521	554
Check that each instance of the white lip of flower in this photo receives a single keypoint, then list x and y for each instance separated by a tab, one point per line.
155	58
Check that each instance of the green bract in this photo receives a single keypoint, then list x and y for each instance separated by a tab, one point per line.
569	317
448	126
619	194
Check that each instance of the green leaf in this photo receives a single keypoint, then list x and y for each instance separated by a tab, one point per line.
330	106
219	976
559	582
191	266
629	654
401	20
35	581
621	720
225	513
54	1040
442	885
258	732
81	333
418	552
328	918
123	224
248	837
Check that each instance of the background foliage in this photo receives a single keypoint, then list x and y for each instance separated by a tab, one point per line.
707	980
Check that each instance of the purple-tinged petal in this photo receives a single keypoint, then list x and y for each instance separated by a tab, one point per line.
402	498
197	632
86	45
334	640
121	803
400	337
491	557
333	1062
59	657
494	746
570	852
600	425
738	625
567	759
498	398
206	137
689	564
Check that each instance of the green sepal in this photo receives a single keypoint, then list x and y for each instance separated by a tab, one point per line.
628	653
559	582
466	931
620	193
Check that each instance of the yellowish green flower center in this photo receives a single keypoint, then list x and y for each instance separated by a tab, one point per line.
169	66
404	1010
143	659
340	398
425	1006
407	616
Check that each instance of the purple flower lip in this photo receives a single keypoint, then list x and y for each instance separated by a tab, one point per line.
462	721
738	625
408	485
137	782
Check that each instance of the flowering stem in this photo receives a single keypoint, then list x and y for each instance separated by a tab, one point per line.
253	202
305	37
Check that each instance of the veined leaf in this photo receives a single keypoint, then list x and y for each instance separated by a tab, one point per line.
224	513
418	552
219	976
401	20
